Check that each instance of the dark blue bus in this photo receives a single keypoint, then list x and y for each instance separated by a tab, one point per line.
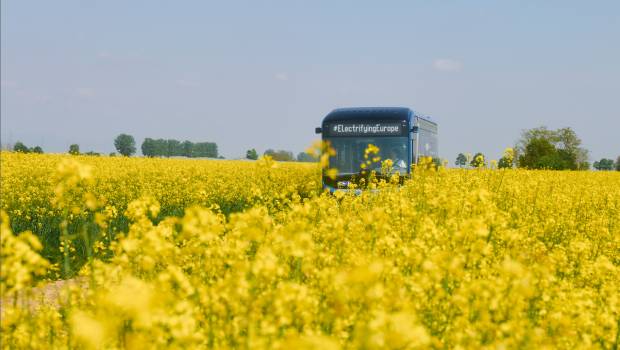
400	134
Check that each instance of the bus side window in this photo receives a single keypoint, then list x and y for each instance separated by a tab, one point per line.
414	151
422	143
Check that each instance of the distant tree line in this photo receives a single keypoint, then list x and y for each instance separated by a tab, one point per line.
173	148
20	147
74	150
542	148
607	164
538	148
306	157
282	155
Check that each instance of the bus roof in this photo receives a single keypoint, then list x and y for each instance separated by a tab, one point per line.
361	113
428	118
373	113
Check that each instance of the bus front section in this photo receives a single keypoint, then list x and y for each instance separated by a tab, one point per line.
363	140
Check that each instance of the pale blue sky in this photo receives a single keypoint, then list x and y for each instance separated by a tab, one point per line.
263	74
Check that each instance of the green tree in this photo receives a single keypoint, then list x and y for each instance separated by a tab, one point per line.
205	149
568	160
306	157
112	154
478	161
461	160
584	166
251	154
125	144
534	134
148	147
74	149
604	164
618	163
507	159
187	148
20	147
37	149
280	155
285	156
161	148
174	147
270	152
504	163
538	153
541	148
571	144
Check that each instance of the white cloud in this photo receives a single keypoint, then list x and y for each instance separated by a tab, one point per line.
281	76
85	92
447	65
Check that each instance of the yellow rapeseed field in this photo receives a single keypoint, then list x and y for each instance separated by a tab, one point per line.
37	192
252	255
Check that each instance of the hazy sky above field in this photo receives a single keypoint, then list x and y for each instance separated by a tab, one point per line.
263	74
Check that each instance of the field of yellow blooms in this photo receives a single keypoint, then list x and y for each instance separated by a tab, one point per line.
252	255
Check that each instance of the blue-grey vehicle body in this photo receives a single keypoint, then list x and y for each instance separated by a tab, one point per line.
400	133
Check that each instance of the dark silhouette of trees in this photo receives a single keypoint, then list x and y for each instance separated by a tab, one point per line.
538	153
125	144
174	148
306	157
251	154
604	164
74	149
187	148
461	160
205	149
280	155
504	164
20	147
507	159
478	161
148	147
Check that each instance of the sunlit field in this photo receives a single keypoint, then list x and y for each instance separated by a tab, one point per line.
169	253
